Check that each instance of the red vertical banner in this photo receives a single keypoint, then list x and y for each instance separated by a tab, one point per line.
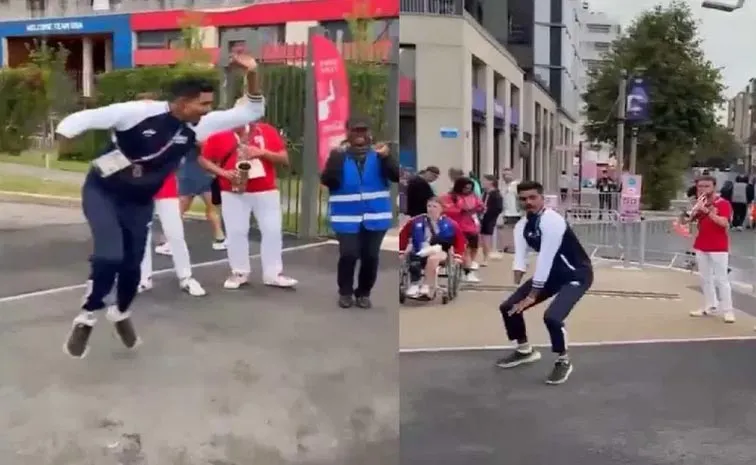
331	95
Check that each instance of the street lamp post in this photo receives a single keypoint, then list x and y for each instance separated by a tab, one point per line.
721	6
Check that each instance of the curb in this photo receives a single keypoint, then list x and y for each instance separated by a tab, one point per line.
58	201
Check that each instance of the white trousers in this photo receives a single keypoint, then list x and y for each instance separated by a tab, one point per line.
236	210
714	280
168	212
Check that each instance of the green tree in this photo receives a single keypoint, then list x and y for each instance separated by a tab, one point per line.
192	40
60	94
719	149
369	76
664	46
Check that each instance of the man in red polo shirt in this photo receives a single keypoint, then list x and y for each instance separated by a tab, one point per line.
263	144
712	247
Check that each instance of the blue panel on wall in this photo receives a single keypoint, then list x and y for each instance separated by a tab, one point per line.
116	25
408	159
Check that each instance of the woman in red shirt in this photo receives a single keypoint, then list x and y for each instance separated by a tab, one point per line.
263	144
463	206
168	211
712	246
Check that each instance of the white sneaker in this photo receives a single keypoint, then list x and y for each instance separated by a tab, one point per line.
425	290
163	249
475	266
192	287
413	291
219	244
145	285
281	281
471	277
483	264
236	280
702	312
729	317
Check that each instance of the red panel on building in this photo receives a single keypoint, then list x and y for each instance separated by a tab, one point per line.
266	13
406	90
275	53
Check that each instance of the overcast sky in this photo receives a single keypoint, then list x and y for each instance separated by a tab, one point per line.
729	38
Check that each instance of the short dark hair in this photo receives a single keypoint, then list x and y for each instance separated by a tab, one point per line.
530	186
707	178
492	179
189	87
433	169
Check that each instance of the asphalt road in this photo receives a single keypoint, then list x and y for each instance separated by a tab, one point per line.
653	404
259	376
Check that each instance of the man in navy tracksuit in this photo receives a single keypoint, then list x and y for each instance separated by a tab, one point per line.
359	178
149	140
563	271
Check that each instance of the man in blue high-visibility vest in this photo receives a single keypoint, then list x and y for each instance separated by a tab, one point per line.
359	178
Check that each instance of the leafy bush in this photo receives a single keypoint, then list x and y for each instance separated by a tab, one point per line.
22	107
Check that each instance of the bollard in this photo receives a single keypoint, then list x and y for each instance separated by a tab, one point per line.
642	244
628	243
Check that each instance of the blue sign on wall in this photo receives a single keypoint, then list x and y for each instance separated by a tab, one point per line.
117	26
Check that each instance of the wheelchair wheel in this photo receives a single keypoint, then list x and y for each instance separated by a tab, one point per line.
452	280
403	282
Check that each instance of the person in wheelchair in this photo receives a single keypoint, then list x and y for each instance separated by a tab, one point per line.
425	242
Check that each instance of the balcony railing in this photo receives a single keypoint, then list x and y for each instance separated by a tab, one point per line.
433	7
32	9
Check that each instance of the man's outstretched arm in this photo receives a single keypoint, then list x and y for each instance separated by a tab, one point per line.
116	116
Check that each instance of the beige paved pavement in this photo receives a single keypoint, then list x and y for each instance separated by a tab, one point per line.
473	319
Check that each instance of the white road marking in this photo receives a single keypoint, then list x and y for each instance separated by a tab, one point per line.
421	350
58	290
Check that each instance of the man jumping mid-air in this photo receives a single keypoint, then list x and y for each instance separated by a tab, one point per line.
150	138
563	269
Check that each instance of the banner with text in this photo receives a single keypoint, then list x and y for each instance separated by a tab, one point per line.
630	198
331	95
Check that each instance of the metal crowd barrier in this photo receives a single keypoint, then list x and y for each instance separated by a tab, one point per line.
649	242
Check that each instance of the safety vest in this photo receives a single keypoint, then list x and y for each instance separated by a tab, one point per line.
361	200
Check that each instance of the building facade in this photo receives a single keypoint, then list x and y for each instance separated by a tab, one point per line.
465	98
109	34
598	31
544	36
741	119
488	113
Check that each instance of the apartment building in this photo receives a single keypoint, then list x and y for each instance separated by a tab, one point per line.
463	97
544	36
598	31
739	116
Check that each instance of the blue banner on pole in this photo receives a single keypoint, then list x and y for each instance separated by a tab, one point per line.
638	101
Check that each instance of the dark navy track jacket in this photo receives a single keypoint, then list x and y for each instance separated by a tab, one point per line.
561	257
142	128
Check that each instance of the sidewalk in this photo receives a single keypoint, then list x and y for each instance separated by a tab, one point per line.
473	320
42	173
